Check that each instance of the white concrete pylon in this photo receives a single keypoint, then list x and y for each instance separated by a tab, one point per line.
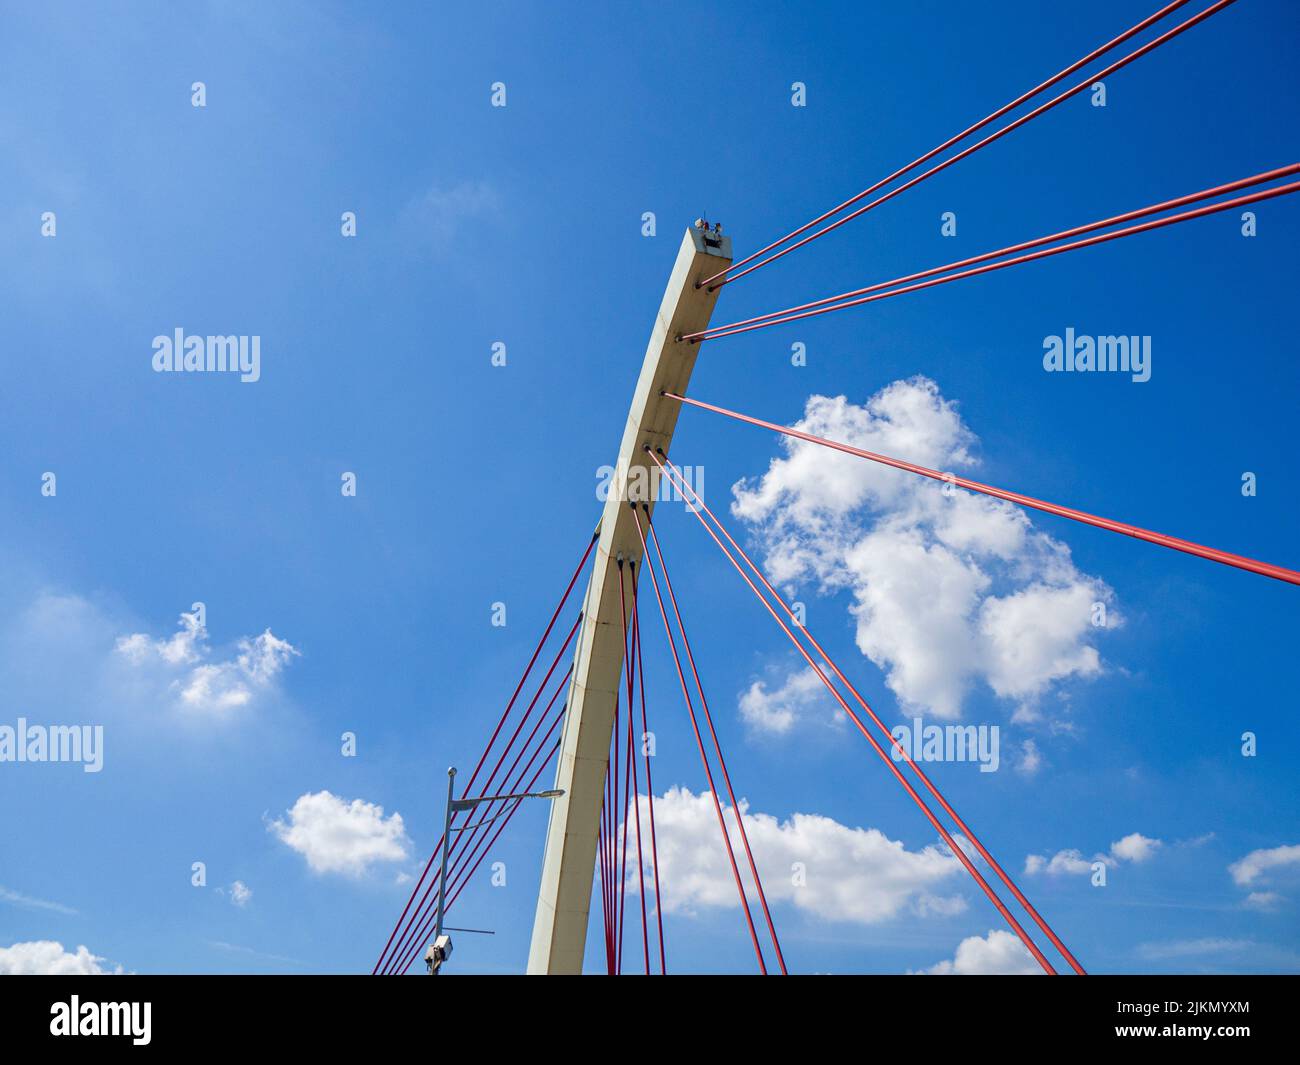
568	866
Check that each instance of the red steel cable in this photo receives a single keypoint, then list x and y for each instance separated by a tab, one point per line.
717	746
404	941
704	758
1005	109
602	841
964	828
487	810
413	949
622	870
482	758
631	761
934	821
460	875
506	820
631	765
1199	212
1141	212
649	783
996	135
611	844
616	882
1266	569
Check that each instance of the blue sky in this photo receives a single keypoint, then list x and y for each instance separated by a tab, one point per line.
476	483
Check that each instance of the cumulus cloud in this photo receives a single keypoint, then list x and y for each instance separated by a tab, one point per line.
199	683
45	957
949	588
997	954
338	836
823	867
1134	847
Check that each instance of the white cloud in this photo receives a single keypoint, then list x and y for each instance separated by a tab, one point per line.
1134	847
240	893
997	954
800	697
1256	864
1071	862
1266	901
209	686
949	589
46	957
338	836
821	866
1031	759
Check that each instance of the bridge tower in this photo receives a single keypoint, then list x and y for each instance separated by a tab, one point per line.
569	864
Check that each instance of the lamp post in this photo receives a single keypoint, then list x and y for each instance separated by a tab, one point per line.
440	950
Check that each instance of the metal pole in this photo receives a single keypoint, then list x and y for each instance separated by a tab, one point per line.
446	839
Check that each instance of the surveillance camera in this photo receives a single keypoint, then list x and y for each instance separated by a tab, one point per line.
439	951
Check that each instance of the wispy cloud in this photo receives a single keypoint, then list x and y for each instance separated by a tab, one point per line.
17	898
249	952
442	214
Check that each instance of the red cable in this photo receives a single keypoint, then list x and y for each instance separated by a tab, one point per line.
649	783
528	787
717	746
1266	569
934	821
486	811
1214	208
1042	108
600	867
690	707
622	871
611	771
953	140
404	941
631	761
459	876
519	687
961	825
1141	212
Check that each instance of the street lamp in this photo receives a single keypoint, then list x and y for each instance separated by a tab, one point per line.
440	950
